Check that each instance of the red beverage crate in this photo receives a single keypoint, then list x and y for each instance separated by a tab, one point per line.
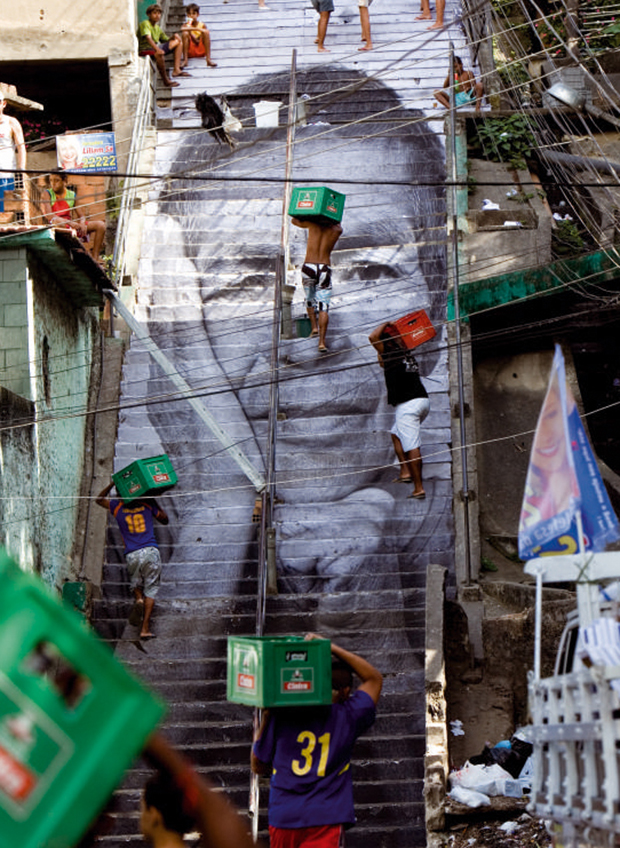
413	329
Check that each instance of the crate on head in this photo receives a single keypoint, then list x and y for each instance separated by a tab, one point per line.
279	671
413	329
72	718
317	203
144	478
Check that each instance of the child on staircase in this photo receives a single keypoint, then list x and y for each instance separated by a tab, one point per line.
196	38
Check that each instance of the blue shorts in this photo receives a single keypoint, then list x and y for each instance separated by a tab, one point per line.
323	5
318	288
6	184
462	98
164	45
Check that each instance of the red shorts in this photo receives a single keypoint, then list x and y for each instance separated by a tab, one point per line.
195	51
324	836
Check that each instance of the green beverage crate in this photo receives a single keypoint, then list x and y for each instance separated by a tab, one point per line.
279	671
145	477
72	718
312	203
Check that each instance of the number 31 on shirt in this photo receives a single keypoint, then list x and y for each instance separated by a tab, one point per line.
309	740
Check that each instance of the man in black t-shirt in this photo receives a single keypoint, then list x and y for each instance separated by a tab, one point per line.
407	393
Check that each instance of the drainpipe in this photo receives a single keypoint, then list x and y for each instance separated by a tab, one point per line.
584	163
465	493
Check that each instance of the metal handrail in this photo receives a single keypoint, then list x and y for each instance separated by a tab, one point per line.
145	111
268	495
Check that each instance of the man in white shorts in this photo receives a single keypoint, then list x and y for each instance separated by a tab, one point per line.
407	393
365	22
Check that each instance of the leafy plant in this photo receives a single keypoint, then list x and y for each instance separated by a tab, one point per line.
546	29
521	197
113	200
507	140
566	239
487	564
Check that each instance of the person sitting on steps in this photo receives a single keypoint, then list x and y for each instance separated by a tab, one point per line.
196	38
153	41
466	89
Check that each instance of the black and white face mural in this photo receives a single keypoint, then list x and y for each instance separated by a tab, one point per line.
348	540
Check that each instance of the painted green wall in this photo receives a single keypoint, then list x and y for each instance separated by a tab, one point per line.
41	462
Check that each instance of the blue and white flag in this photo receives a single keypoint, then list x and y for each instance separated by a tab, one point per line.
562	478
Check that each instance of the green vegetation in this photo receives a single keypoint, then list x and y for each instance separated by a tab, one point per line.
566	239
507	140
487	564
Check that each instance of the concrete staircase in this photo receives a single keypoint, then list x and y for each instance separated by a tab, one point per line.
352	550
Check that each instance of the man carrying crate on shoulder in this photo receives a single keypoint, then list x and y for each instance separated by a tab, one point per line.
307	752
135	521
322	238
406	392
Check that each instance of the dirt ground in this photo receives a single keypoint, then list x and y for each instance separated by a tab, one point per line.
512	829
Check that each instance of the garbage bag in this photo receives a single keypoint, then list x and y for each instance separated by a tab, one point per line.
469	797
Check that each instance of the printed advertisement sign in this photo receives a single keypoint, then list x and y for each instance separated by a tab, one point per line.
92	152
563	477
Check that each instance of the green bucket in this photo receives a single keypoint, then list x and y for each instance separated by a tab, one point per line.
304	327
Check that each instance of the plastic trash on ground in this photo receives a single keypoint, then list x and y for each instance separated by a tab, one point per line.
489	780
469	797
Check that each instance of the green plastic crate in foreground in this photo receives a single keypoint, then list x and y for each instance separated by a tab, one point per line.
145	477
279	671
71	717
317	203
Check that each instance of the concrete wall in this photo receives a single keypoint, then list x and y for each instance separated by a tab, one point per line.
41	463
55	29
58	31
14	322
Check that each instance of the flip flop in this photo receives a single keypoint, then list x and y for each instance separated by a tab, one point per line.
402	480
182	74
322	349
148	636
137	614
416	497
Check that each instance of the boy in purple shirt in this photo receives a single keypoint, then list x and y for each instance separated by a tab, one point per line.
135	521
307	751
